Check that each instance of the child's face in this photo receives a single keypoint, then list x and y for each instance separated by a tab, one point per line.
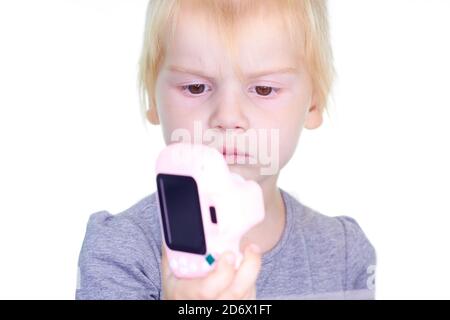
210	93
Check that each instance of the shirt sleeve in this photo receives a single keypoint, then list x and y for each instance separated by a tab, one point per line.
117	261
360	261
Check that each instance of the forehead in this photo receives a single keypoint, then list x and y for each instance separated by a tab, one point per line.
258	41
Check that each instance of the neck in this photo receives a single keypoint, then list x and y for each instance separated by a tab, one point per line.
274	219
273	201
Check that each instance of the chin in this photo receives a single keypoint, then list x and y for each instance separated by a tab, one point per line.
244	171
248	172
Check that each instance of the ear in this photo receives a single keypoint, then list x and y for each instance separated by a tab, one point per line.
313	118
152	115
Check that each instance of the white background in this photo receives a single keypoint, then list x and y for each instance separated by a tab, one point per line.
72	141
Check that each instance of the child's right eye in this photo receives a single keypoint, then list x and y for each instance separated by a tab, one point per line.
194	89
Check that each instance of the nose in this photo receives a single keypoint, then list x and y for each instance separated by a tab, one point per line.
229	112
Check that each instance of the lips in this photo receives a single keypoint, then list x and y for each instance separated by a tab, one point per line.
233	152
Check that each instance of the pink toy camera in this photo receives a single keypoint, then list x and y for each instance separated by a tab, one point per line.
204	208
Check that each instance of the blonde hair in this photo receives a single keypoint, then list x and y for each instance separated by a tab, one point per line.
308	16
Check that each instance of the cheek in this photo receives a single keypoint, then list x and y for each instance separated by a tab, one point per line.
177	125
289	138
290	123
175	114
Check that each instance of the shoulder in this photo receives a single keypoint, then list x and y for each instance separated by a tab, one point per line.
336	242
316	227
126	227
129	237
139	212
121	253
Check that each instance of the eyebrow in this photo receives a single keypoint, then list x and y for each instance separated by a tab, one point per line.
256	74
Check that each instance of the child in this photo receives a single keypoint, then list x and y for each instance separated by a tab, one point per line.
233	67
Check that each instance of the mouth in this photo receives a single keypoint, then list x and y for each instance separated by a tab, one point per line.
227	153
235	157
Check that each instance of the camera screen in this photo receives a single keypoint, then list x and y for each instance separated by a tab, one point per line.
181	213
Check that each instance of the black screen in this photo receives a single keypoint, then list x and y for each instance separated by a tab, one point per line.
181	213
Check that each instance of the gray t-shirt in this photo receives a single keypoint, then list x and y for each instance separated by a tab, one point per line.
317	257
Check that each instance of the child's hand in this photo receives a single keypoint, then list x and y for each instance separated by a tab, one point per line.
224	282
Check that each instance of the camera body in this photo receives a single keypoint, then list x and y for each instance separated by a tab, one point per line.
204	208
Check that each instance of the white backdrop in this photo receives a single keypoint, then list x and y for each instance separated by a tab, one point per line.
72	141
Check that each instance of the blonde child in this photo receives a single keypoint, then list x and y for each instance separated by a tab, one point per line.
232	67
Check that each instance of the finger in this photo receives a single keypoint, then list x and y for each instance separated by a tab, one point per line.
219	278
166	275
251	294
164	263
246	276
207	287
174	287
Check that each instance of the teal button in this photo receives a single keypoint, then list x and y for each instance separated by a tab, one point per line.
210	259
